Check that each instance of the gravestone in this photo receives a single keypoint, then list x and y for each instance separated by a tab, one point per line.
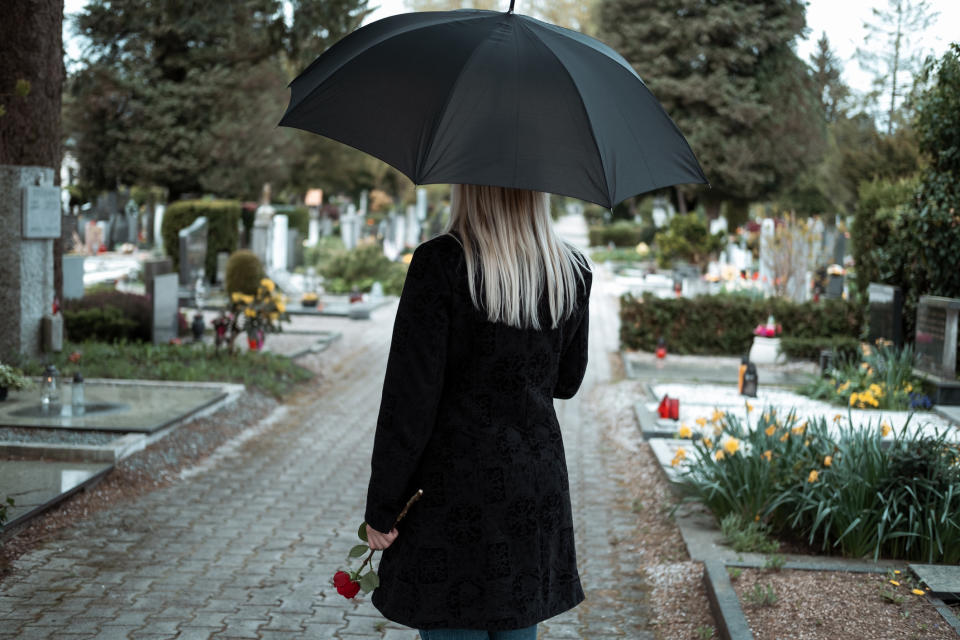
294	249
936	337
767	232
840	248
279	240
73	276
943	580
222	258
132	214
260	235
834	286
412	226
193	250
154	267
158	226
885	313
164	307
350	227
421	204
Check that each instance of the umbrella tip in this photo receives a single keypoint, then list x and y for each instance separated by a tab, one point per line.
511	6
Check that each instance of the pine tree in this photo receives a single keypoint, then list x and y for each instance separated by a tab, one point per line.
827	83
726	74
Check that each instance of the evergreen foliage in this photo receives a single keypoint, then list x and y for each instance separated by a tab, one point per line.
223	220
244	272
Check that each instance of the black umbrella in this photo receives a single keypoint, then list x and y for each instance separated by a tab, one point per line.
483	97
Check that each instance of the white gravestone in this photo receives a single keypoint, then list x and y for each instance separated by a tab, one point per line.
158	212
767	231
412	227
164	306
41	212
73	276
421	204
278	254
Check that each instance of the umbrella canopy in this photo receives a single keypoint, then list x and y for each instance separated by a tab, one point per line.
483	97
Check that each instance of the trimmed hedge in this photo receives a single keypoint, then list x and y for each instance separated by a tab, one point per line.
223	218
622	234
108	316
724	324
810	348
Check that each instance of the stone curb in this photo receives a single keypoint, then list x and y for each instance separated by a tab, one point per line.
321	344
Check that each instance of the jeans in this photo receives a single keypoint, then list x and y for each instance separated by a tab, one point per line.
530	633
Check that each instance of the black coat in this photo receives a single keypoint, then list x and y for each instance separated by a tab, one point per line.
467	415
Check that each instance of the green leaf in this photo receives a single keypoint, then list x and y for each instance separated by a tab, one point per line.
22	88
362	531
358	550
369	581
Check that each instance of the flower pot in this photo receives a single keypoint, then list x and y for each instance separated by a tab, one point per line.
309	303
3	394
254	344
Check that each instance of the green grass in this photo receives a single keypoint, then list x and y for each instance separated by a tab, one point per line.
269	373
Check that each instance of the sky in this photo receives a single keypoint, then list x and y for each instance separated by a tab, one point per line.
842	20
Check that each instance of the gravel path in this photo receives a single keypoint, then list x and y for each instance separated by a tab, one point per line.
244	544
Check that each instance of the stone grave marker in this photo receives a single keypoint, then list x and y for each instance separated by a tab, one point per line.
834	286
294	249
193	250
165	307
222	258
421	204
158	226
279	240
73	276
936	337
943	580
886	313
839	248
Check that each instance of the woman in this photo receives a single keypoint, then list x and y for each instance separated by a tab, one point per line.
491	326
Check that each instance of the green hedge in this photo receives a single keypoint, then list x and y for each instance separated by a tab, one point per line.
108	316
724	324
223	218
809	348
622	234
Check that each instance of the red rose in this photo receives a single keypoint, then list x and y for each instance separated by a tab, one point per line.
349	589
340	578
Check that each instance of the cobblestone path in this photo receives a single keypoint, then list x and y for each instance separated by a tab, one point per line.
245	546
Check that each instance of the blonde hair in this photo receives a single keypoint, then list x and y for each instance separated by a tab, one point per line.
513	254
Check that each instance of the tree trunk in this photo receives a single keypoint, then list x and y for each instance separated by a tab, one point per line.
681	201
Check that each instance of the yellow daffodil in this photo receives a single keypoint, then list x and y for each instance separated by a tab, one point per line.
894	583
708	443
865	348
876	390
768	455
756	518
765	417
806	442
783	438
235	296
813	476
701	422
896	571
717	415
717	430
719	455
798	430
864	366
731	446
770	430
885	429
916	592
267	284
250	313
837	418
274	316
678	456
684	431
246	299
908	387
828	461
869	371
281	307
854	398
749	407
843	387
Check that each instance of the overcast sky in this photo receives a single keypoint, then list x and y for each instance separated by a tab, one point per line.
842	20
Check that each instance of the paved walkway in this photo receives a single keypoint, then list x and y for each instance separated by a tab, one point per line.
244	547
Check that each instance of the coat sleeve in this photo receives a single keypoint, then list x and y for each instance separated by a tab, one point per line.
412	386
573	357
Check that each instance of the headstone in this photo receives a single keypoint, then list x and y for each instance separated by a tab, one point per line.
132	214
661	211
834	286
222	258
164	305
364	199
767	233
840	248
313	230
73	276
376	291
412	227
154	267
326	227
278	235
718	225
119	229
421	204
350	227
260	236
104	228
158	226
885	313
943	580
193	250
936	337
294	249
26	256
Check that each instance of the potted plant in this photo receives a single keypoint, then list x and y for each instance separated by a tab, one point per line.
309	299
11	378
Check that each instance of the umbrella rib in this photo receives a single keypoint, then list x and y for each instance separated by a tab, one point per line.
446	104
593	135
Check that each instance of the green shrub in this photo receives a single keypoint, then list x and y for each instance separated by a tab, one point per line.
881	203
359	268
882	379
223	218
746	536
243	273
687	238
724	324
843	491
810	348
622	234
108	316
298	218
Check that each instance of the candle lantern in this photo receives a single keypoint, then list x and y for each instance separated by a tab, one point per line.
49	393
750	381
661	348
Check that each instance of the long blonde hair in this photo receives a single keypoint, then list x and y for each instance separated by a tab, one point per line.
511	248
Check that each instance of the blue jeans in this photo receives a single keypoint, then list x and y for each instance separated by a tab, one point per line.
530	633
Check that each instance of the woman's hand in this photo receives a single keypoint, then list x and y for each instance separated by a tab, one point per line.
378	540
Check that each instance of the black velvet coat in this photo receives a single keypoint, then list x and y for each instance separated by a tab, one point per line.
467	415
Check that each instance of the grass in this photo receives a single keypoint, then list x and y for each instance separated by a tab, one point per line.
760	596
269	373
746	537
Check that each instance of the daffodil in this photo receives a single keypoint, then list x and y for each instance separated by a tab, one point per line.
828	461
250	313
267	284
732	445
246	299
896	571
876	390
717	415
708	443
885	429
719	455
281	307
768	455
717	430
806	442
783	438
837	418
749	407
236	296
843	387
813	476
908	387
678	456
701	422
770	430
684	431
798	430
854	398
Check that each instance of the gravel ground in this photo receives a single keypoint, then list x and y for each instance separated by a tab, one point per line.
836	606
58	436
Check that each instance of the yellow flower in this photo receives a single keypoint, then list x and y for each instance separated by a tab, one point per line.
236	296
770	430
768	455
869	371
916	592
749	407
267	284
684	431
708	443
799	429
250	313
876	390
843	387
765	417
896	571
806	442
719	455
717	415
854	398
756	518
895	583
783	438
813	476
865	348
273	316
281	307
701	422
885	429
717	430
837	418
678	456
732	445
864	365
828	461
246	299
908	387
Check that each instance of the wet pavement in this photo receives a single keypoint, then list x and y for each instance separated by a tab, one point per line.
245	545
